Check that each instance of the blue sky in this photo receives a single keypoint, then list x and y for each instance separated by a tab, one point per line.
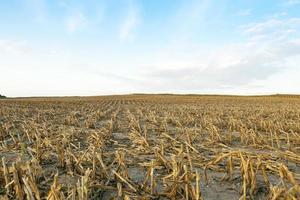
95	47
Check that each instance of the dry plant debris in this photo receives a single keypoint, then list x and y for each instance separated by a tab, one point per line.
150	147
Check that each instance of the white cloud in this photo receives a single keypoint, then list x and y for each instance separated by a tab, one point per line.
272	26
14	47
291	2
272	47
130	23
76	21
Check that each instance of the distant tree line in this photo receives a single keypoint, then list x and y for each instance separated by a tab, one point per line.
2	96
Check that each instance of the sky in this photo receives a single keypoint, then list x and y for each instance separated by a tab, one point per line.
100	47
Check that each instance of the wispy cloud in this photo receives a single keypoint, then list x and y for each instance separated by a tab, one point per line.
14	47
291	2
272	26
270	48
76	21
79	15
130	22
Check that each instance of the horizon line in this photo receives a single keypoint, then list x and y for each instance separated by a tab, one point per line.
159	94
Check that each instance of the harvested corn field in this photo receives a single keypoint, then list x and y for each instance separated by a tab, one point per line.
150	147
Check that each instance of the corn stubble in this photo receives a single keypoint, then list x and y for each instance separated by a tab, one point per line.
150	147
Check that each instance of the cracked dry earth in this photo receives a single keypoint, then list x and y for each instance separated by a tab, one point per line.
150	147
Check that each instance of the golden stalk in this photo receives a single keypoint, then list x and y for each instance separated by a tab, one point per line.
124	180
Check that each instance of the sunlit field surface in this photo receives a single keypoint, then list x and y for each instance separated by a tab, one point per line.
150	147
